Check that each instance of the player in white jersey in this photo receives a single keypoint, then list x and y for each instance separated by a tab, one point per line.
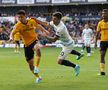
65	39
87	36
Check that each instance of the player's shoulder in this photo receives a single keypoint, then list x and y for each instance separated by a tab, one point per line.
33	19
100	22
17	25
84	30
62	25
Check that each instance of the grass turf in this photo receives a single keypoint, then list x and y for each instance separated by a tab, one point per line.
15	74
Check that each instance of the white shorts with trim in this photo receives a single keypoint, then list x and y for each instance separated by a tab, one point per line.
87	41
65	51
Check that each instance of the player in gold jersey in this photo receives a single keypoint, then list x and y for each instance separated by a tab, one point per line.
26	28
102	29
17	38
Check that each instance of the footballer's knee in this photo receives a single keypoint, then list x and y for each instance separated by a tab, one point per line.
60	61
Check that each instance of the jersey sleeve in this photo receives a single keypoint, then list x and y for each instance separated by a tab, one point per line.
34	22
16	29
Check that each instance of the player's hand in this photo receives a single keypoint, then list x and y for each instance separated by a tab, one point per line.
47	33
43	35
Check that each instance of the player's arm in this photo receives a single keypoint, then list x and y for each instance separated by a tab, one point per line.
53	39
97	35
39	27
56	36
45	24
13	32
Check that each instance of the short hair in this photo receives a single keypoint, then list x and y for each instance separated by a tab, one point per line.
21	12
58	15
105	10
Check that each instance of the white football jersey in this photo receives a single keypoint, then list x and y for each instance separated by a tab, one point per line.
63	33
87	33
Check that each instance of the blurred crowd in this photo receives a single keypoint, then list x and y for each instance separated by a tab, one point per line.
74	18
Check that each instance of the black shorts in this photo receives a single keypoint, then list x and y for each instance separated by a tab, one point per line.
29	53
103	45
17	42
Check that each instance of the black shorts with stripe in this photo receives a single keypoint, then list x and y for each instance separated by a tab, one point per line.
103	45
17	42
29	52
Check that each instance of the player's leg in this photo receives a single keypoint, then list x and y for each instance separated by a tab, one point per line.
102	60
17	46
3	42
74	52
88	48
37	61
31	66
38	54
83	47
29	54
63	61
87	45
38	57
79	55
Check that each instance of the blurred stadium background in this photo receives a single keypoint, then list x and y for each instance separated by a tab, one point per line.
14	72
75	13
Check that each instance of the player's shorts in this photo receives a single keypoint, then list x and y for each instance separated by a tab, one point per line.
29	52
87	42
65	51
17	42
103	45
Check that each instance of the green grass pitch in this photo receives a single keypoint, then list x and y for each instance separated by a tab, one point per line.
15	74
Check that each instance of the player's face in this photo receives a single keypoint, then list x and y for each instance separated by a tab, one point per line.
21	18
86	26
105	15
55	20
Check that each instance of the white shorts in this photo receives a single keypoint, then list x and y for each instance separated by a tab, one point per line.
87	41
65	51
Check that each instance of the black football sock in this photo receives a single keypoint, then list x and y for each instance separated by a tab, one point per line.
89	49
83	47
68	63
75	52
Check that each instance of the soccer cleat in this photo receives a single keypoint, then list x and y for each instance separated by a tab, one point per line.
77	70
36	70
78	57
92	51
38	80
101	74
89	54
